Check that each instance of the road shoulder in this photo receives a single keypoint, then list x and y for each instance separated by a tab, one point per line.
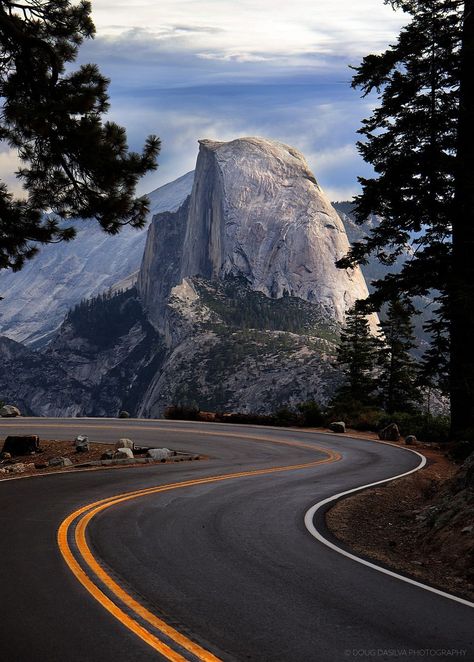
396	524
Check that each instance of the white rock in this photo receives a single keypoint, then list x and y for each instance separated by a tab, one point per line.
9	411
82	443
124	443
337	426
123	453
159	453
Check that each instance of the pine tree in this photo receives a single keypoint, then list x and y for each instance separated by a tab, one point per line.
433	373
420	140
461	284
356	358
73	164
398	373
434	367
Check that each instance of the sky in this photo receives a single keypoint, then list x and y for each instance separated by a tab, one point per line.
222	69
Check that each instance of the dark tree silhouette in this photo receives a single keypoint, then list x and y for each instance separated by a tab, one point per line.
461	286
420	140
357	358
74	165
398	372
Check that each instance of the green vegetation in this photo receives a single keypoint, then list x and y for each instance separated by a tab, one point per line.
357	359
398	373
105	318
425	427
380	377
240	307
306	416
311	414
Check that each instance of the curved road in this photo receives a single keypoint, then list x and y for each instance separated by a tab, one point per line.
227	565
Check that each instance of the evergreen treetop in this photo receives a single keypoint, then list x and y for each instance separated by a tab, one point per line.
398	372
410	139
74	165
357	356
420	141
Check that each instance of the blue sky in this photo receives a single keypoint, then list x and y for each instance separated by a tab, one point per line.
190	69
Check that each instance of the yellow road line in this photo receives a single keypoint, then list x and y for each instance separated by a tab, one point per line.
86	513
118	613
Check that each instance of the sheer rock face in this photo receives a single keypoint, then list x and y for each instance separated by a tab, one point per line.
256	210
161	264
37	298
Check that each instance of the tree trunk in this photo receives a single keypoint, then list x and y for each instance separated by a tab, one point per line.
462	281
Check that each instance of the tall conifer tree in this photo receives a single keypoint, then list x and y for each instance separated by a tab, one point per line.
461	285
398	373
420	140
357	357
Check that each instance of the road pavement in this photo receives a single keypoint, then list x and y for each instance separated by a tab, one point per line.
228	564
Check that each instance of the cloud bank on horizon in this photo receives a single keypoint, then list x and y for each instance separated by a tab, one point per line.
190	69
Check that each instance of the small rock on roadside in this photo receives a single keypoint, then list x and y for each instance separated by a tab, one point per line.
82	443
9	411
124	414
390	433
122	453
108	455
124	443
337	426
159	453
410	440
21	444
60	462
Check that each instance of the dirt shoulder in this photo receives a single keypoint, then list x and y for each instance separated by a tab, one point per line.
413	524
38	463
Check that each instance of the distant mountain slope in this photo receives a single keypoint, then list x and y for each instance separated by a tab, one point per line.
37	298
228	348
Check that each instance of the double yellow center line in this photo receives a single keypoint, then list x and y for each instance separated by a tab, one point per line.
88	570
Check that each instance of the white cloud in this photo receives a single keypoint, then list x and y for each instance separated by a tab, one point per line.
255	27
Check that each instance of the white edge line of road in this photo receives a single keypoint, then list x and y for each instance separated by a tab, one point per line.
309	523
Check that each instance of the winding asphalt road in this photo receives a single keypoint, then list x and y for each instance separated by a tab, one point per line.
226	566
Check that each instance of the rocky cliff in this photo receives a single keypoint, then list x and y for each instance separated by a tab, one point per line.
238	304
225	278
257	211
37	298
39	385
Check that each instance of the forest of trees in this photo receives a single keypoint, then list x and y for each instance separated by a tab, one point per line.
102	319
